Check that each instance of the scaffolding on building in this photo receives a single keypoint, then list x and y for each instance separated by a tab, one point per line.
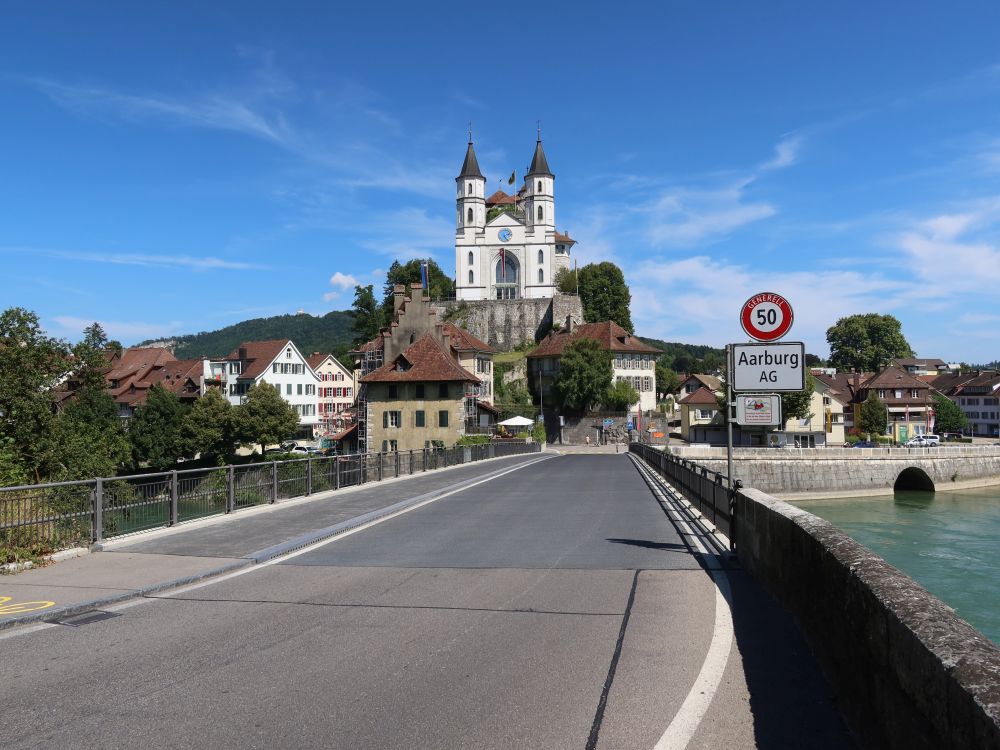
371	360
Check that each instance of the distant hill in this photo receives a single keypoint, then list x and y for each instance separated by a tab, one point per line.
329	333
688	357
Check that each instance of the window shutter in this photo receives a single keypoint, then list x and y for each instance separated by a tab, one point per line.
385	419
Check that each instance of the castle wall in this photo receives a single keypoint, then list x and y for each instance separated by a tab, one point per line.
506	324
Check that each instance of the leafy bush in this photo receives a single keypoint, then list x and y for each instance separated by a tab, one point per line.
473	440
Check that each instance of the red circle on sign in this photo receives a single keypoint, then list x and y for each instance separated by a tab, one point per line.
766	316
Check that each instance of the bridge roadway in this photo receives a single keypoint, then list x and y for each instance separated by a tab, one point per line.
556	606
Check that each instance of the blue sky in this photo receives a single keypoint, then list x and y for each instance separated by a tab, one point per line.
169	168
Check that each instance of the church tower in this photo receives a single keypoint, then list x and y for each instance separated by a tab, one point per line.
471	195
540	202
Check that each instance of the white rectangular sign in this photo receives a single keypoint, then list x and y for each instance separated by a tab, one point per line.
761	409
768	367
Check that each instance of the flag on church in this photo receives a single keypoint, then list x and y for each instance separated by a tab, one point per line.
423	274
503	263
513	176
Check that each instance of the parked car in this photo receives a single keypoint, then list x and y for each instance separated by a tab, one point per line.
924	441
865	444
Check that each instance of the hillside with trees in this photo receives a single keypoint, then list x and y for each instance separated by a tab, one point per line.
328	333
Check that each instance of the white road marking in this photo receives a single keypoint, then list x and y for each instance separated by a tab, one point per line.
692	711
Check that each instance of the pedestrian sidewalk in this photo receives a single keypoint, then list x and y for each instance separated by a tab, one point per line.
155	561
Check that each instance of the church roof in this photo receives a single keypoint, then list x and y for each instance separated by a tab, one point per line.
470	167
539	164
499	198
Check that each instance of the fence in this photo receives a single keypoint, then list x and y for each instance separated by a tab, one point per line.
64	514
707	490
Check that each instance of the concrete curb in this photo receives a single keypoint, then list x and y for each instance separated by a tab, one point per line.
104	601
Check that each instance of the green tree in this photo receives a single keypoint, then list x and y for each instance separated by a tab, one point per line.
12	472
265	417
620	396
439	284
32	367
155	431
947	416
795	404
866	343
667	381
78	449
873	417
584	374
208	428
368	318
605	295
565	280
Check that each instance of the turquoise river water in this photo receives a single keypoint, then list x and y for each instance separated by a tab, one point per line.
949	542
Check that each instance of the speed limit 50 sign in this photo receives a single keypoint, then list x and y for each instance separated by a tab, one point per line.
766	316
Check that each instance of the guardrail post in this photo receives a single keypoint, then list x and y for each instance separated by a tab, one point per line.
173	498
274	481
425	459
381	457
230	489
97	501
336	472
309	476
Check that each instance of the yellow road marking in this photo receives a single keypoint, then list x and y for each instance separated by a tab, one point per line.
19	607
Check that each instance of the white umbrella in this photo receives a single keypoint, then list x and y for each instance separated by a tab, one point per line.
517	422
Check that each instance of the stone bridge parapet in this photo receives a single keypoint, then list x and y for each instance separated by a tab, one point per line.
830	472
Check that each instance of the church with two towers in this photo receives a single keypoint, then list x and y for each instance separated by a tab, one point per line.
507	246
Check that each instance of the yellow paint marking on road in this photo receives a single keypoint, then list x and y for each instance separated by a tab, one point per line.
17	608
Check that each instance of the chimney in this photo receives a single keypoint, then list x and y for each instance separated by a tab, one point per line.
398	297
569	324
243	354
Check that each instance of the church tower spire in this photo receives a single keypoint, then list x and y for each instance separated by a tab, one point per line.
471	195
540	206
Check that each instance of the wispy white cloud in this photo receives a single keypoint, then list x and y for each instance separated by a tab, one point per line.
126	331
412	233
341	282
192	263
687	217
786	153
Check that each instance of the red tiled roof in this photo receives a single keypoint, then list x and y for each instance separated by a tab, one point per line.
462	340
893	377
565	238
259	355
316	359
499	198
345	433
373	345
487	406
423	360
700	396
608	334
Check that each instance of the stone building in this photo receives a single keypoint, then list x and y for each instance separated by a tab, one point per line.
421	382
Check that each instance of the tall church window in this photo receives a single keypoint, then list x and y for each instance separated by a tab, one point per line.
539	187
539	213
469	219
507	270
541	257
470	275
541	276
468	188
470	257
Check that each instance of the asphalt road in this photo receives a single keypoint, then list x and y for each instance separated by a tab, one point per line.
551	607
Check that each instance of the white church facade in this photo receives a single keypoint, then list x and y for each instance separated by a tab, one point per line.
507	246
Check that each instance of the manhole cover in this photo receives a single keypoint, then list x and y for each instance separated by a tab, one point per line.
84	618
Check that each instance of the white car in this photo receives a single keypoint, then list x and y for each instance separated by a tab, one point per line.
923	441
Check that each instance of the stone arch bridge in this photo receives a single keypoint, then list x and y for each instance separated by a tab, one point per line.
819	472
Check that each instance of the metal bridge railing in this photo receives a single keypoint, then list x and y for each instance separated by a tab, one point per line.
707	490
64	514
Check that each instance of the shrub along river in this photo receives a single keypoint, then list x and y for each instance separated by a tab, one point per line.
948	542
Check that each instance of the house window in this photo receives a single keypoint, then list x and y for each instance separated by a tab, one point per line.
390	446
913	393
288	353
234	368
418	390
392	418
898	393
288	389
881	393
469	219
443	418
470	258
298	390
541	276
443	390
704	413
418	418
826	400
